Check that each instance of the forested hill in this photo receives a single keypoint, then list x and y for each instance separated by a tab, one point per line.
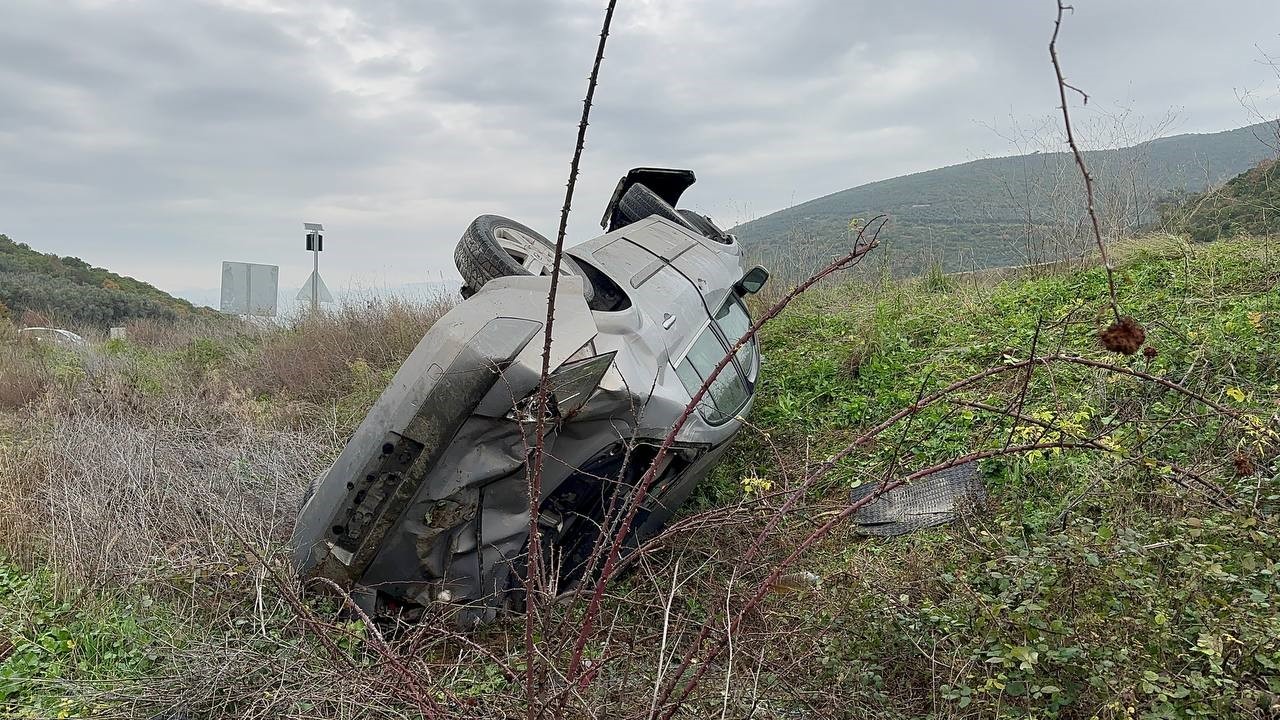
1010	210
1249	204
68	290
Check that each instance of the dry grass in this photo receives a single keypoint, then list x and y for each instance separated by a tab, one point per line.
155	334
161	456
111	498
165	468
22	380
169	468
318	353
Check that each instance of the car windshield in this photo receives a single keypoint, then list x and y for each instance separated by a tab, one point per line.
729	392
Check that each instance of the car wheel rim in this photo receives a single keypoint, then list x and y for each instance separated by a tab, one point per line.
532	254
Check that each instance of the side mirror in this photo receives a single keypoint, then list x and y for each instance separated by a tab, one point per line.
752	281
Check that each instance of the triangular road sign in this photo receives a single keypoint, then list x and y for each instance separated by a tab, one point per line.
304	295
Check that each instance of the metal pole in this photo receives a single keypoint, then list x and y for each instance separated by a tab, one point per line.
315	278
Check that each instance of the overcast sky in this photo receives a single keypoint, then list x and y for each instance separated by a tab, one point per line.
159	137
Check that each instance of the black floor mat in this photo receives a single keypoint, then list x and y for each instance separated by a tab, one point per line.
933	500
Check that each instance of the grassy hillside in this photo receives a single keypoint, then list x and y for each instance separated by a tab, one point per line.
1249	204
1011	210
151	483
1094	586
68	290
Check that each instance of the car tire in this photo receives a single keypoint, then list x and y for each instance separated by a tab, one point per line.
639	202
494	246
706	226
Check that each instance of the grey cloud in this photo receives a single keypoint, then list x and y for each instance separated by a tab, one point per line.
158	137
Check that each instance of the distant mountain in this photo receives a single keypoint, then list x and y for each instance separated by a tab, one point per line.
68	290
1008	210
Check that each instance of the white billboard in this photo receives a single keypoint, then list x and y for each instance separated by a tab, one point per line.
250	288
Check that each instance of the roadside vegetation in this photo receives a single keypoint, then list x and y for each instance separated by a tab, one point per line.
1094	585
149	486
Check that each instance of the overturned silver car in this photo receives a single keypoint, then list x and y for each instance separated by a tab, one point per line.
428	501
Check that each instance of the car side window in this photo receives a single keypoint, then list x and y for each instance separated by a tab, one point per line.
734	323
728	392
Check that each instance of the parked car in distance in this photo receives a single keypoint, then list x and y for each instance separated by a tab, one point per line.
52	336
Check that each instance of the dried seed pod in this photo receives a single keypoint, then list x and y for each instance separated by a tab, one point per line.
1123	336
1244	464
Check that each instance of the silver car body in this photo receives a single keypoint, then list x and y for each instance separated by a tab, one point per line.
428	500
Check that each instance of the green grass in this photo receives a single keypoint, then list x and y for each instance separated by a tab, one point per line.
1094	587
849	355
51	642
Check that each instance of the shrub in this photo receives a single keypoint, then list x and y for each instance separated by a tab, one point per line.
22	379
316	355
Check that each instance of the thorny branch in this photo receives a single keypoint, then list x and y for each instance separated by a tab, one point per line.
532	580
924	401
704	662
1181	475
862	245
1079	156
